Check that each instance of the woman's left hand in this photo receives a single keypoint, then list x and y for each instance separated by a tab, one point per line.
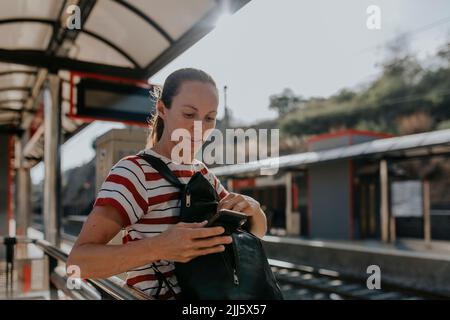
249	206
239	202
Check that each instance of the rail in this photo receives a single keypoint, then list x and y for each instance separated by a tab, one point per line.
332	285
112	288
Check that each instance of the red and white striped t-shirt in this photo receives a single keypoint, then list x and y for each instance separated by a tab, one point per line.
148	205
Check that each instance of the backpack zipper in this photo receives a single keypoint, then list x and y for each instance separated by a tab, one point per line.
188	198
231	270
236	262
236	278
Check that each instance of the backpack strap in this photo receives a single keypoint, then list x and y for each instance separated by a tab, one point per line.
162	279
167	174
163	169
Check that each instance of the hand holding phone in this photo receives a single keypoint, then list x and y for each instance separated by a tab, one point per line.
228	219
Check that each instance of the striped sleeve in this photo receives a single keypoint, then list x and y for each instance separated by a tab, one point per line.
220	189
124	189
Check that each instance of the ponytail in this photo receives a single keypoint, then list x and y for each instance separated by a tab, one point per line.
156	130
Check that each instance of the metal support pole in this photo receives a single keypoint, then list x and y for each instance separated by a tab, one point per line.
426	213
9	242
384	212
52	264
290	228
392	229
52	131
23	189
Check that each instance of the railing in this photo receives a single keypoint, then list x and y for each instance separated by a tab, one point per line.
112	288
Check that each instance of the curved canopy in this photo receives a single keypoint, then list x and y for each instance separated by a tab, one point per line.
119	38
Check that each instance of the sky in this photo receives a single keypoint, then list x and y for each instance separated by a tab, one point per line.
314	47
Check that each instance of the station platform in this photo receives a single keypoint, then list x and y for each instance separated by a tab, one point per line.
30	277
408	263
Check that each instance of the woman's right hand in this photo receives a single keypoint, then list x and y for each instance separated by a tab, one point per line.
185	241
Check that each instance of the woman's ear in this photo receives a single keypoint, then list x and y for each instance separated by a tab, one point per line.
161	109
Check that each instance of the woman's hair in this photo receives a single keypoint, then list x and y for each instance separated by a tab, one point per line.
170	89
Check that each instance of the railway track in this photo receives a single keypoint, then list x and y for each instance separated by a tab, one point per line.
300	282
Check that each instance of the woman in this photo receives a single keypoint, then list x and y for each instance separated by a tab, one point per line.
135	197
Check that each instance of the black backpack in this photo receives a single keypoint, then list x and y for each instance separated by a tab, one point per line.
241	272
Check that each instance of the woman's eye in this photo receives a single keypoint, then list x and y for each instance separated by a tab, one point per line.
210	119
189	115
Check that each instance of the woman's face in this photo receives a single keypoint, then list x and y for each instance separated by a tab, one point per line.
195	101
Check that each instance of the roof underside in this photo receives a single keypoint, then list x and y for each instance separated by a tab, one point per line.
121	38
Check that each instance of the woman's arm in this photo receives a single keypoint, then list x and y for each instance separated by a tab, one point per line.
96	259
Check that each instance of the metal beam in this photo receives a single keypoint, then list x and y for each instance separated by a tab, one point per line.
150	21
192	36
16	110
384	206
24	89
426	212
8	129
6	101
23	189
56	26
39	59
113	46
14	72
61	34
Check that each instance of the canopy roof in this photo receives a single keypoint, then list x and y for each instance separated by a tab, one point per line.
428	143
120	38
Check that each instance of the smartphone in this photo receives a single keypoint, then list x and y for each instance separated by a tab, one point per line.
228	219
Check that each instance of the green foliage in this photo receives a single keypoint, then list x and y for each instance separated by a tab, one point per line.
284	102
404	88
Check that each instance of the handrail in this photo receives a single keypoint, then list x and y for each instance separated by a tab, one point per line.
112	287
118	289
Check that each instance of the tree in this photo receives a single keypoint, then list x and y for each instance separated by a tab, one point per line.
285	102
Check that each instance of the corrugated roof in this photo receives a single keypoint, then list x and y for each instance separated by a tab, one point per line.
381	147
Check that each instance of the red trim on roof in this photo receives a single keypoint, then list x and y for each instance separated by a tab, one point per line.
91	119
98	76
348	132
73	115
243	183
